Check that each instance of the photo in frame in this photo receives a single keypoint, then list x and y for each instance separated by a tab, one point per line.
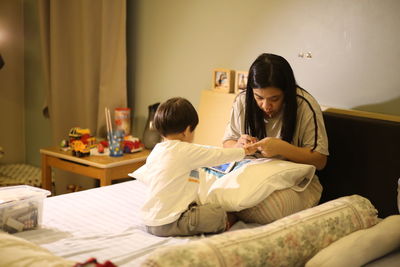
240	81
223	80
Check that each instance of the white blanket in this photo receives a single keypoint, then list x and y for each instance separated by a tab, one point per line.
100	223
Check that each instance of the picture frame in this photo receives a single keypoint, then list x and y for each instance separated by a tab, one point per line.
223	80
240	81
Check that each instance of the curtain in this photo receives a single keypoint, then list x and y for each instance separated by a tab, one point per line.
83	44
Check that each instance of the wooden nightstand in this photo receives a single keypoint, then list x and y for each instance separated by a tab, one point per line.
103	168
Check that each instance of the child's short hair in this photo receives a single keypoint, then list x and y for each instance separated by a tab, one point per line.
174	116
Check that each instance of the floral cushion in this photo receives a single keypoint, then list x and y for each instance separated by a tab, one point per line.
290	241
17	252
282	203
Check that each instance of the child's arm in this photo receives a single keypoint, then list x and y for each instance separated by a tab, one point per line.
205	156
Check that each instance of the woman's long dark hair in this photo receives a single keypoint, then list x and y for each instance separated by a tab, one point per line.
270	70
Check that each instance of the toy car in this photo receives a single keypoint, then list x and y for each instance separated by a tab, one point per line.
81	141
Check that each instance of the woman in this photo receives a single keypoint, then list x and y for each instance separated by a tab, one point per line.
278	116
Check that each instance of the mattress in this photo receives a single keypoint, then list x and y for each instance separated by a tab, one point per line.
101	223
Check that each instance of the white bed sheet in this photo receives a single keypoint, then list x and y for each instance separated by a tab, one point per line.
101	223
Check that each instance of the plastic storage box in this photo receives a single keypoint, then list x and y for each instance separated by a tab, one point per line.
21	207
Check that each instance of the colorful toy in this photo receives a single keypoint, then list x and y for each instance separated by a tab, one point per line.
132	144
81	141
100	148
64	143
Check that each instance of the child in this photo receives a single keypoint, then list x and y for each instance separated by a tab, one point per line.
170	208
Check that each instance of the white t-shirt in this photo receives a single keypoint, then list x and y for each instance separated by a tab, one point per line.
170	173
308	131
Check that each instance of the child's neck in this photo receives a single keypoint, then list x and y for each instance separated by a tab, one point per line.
174	137
184	136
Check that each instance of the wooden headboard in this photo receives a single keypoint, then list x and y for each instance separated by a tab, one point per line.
364	150
364	158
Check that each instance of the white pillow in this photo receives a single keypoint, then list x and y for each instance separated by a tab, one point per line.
248	185
362	246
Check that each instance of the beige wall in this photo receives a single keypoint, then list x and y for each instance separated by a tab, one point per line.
12	127
175	44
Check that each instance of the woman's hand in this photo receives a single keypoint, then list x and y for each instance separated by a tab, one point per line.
245	139
249	149
270	146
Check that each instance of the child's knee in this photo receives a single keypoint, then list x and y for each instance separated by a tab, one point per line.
207	219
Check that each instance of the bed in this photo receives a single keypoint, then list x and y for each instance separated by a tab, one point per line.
358	201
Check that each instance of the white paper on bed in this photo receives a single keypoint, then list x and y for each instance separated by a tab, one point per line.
248	185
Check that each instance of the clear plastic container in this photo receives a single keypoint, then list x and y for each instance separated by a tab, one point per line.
21	207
